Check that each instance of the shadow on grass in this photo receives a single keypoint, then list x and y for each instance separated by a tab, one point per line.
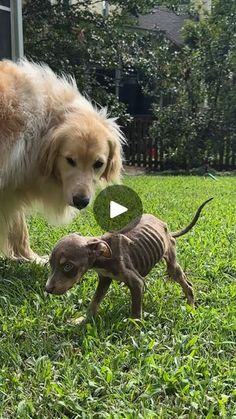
17	279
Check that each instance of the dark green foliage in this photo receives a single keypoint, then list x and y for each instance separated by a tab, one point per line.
74	39
193	88
198	83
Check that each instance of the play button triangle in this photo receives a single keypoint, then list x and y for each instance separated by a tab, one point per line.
116	206
116	209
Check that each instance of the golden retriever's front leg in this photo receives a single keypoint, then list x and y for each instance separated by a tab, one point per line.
18	241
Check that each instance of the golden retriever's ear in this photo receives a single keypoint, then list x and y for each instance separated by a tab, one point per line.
48	155
114	164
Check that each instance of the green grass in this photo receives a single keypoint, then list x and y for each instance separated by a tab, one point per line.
178	363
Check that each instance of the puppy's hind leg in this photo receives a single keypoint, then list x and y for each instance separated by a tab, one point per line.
175	272
135	284
18	240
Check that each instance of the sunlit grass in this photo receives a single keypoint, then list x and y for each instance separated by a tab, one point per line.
177	363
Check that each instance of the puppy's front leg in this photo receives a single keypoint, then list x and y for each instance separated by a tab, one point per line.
102	288
135	284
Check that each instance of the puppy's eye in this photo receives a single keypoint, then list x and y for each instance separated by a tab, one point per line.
98	164
67	267
71	161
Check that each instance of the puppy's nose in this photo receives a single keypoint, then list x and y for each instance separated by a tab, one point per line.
49	290
80	201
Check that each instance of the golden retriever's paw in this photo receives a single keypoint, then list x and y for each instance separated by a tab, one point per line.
41	260
77	321
33	257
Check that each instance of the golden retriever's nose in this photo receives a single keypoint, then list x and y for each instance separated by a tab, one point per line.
80	201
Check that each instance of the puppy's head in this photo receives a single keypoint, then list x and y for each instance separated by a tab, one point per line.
84	149
70	260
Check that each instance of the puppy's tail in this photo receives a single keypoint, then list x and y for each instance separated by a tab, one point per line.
193	222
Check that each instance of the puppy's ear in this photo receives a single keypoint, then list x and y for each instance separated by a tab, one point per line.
99	248
48	154
114	164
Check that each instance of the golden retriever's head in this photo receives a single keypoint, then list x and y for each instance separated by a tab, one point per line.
80	152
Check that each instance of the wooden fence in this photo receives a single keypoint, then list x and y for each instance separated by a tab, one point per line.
143	151
140	150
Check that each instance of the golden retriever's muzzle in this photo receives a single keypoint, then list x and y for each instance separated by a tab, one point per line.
80	202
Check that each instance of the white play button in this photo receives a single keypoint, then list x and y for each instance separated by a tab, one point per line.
116	209
116	206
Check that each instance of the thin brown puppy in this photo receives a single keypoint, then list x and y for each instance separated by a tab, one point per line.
126	256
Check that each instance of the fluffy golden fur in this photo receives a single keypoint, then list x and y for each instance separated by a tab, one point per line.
55	147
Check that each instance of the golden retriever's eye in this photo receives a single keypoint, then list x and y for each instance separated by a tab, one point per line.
98	164
71	161
67	267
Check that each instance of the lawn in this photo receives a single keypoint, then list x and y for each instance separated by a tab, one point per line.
178	363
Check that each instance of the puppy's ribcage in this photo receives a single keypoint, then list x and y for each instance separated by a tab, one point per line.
147	249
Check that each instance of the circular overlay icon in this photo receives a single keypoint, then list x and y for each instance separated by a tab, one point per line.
116	206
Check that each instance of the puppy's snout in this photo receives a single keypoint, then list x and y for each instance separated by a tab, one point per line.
80	201
49	290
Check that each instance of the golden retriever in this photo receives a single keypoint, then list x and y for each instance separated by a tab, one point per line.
55	147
